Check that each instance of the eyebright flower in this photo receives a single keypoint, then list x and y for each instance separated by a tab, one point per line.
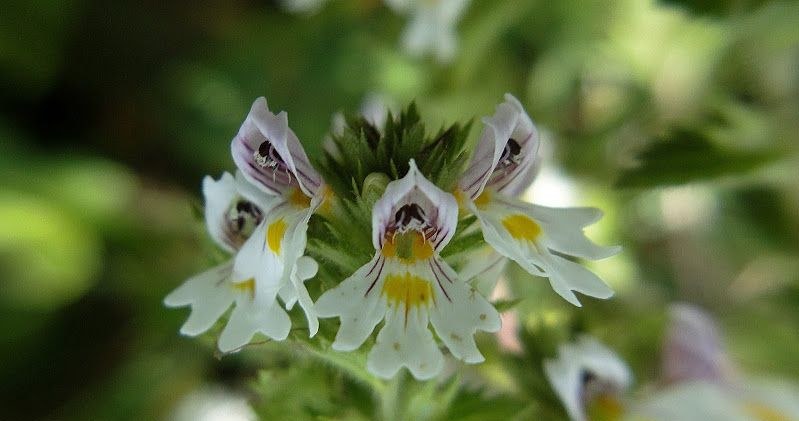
432	26
409	285
270	156
261	216
589	377
231	218
503	165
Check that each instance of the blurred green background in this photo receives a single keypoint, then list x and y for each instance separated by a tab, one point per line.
679	118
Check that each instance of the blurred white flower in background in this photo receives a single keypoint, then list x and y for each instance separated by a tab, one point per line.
432	26
590	379
302	6
213	404
701	382
375	108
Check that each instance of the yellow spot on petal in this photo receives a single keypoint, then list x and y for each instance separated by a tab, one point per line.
521	227
764	413
483	200
327	201
408	289
458	193
408	247
247	286
299	199
605	408
389	249
274	235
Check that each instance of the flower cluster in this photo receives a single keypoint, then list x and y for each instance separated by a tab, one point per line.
278	216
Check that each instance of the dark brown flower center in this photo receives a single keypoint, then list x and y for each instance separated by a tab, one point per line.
242	218
267	157
510	154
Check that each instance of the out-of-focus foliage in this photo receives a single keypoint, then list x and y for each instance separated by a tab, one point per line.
679	118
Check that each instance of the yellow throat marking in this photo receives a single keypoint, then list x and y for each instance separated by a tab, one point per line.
483	200
299	199
408	247
521	227
605	408
764	413
274	235
408	289
247	286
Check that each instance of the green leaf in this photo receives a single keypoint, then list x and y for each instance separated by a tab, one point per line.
505	305
685	157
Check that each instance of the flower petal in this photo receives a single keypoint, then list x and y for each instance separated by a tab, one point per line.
694	401
514	229
585	359
439	207
566	276
482	269
268	135
693	349
209	295
219	196
252	193
527	135
306	268
432	27
460	311
505	158
495	135
405	341
256	263
564	230
564	376
270	254
356	301
249	318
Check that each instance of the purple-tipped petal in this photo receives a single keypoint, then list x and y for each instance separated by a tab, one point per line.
269	154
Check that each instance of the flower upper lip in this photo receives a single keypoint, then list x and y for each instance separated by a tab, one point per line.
415	203
270	155
506	152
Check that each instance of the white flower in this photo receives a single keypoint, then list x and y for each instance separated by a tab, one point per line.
588	374
213	403
704	385
432	26
408	284
692	349
704	401
269	155
375	108
482	268
261	216
534	236
231	217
